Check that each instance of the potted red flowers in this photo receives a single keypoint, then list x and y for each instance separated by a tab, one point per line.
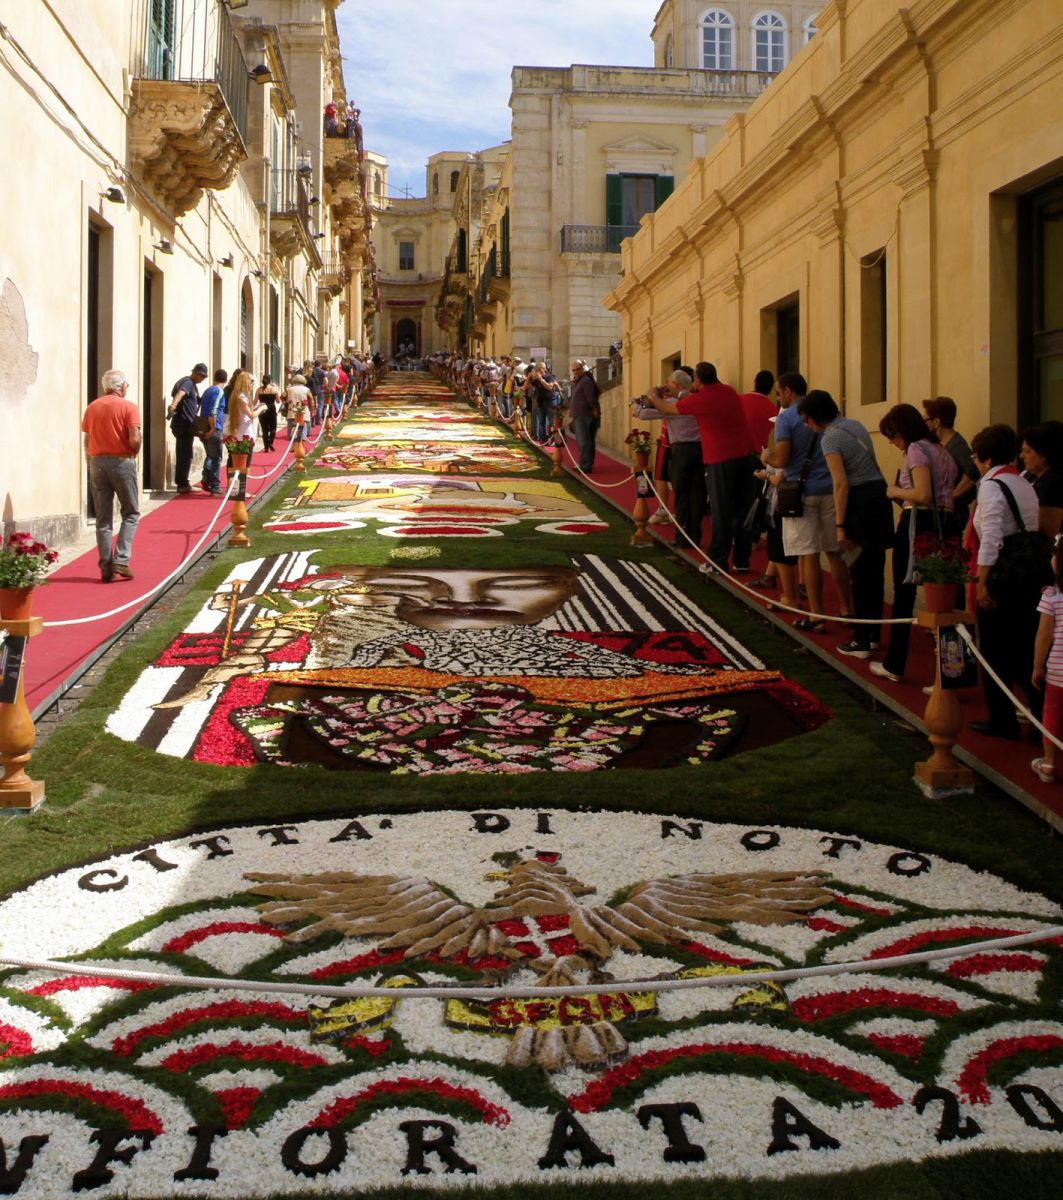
24	562
239	448
940	566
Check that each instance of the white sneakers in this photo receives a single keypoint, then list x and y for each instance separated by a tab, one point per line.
879	669
661	517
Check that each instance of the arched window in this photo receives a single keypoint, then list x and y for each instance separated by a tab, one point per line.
377	183
669	56
454	177
769	43
435	183
717	40
810	28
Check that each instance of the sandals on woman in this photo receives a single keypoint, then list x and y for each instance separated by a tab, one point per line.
807	625
1044	771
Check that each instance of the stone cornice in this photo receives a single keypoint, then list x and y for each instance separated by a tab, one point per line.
916	173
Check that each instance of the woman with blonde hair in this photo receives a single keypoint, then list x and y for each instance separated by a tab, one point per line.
240	420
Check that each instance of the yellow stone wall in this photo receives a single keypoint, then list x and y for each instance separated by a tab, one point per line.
898	140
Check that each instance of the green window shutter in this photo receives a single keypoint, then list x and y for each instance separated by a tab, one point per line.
665	187
614	200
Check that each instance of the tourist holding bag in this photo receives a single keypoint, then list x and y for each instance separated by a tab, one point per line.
1011	572
924	489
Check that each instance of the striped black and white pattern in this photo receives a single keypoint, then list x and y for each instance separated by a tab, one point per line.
175	731
617	595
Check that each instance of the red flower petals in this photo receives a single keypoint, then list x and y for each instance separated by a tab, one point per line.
830	1004
908	1044
224	1010
238	1104
208	1052
597	1094
185	941
18	1042
77	983
344	1106
136	1113
974	1078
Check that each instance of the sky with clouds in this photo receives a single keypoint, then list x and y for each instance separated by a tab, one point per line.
432	77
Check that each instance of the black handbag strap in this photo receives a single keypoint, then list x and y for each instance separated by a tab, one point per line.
1009	495
806	466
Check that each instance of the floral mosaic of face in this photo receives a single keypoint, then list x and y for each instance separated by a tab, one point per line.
451	598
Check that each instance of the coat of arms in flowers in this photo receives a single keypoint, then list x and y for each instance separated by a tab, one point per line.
235	1089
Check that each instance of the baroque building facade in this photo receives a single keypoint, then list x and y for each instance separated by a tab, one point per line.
412	237
181	204
594	149
885	218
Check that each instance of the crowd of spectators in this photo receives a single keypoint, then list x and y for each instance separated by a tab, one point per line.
727	454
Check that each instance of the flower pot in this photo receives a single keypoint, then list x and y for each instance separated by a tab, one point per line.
239	462
939	597
642	460
16	603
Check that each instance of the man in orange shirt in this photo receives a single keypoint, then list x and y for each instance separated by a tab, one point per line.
111	425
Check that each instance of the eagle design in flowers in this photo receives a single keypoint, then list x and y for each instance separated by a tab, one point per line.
418	917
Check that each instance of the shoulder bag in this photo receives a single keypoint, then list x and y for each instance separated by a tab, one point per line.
790	494
1024	565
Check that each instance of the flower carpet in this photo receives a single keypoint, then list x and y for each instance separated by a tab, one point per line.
459	733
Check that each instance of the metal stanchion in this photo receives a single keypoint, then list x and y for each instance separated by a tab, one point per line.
17	731
942	771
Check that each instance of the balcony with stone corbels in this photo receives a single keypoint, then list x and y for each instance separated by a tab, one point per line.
188	108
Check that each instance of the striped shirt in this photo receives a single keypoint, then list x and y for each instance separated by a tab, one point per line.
1052	605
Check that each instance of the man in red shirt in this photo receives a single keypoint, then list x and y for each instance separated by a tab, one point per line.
728	454
760	409
111	425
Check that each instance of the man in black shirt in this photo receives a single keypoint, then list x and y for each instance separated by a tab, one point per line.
183	410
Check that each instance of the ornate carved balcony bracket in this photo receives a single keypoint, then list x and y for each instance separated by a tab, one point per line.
498	289
342	163
285	235
183	140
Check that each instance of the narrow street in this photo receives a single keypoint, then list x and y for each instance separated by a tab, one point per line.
443	831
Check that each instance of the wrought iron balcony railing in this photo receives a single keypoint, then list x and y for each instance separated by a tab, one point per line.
289	195
595	239
192	41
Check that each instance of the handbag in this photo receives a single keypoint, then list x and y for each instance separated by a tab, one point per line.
790	494
201	426
1024	565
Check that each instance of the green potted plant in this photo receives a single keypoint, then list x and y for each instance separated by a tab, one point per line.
24	562
940	566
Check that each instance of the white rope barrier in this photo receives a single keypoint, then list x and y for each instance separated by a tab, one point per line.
181	566
744	979
776	605
595	483
965	633
280	463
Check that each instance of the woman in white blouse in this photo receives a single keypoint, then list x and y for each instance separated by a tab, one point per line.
1006	631
240	419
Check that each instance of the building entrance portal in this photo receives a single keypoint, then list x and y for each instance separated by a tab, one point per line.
406	338
1041	306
